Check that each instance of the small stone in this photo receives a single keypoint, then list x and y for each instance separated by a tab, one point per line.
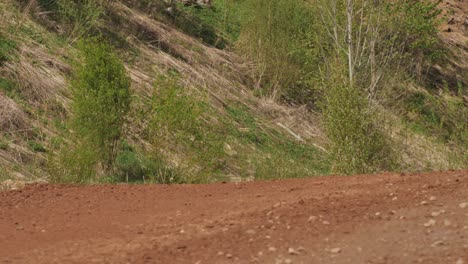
325	222
435	214
229	256
292	251
460	261
430	223
312	218
287	261
272	249
19	227
424	203
447	222
432	198
250	232
437	243
220	253
335	250
463	205
377	214
394	198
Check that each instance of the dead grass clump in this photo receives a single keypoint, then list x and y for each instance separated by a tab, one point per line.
39	79
12	118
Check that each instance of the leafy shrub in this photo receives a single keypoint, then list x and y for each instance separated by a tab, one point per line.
356	143
178	123
274	34
101	99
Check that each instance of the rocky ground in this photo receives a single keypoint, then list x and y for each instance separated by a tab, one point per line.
389	218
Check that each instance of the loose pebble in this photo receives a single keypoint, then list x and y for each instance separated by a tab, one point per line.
447	222
430	223
250	232
292	251
335	250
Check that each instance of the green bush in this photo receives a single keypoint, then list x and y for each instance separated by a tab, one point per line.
276	36
101	100
356	143
416	24
178	123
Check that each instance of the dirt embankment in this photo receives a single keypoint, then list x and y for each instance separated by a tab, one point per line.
388	218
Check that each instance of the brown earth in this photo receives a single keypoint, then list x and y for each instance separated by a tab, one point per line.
389	218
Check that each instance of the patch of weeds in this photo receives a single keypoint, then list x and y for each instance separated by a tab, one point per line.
432	115
36	146
249	130
3	144
274	156
7	86
132	166
7	46
179	122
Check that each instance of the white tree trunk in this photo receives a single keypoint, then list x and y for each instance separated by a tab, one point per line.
349	39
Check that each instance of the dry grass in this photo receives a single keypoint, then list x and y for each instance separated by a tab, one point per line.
12	118
38	76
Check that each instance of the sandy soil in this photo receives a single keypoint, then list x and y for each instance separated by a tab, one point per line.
389	218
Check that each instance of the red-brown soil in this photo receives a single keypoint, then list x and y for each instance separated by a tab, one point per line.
389	218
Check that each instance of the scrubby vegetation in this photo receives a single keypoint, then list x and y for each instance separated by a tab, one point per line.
154	92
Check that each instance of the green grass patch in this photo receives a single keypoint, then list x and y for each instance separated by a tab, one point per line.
36	146
7	47
271	154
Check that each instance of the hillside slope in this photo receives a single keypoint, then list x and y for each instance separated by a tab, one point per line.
245	137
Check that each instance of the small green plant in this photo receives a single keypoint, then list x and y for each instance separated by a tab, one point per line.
134	167
36	146
4	144
6	86
7	46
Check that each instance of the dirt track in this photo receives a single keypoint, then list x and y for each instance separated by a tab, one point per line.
389	218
